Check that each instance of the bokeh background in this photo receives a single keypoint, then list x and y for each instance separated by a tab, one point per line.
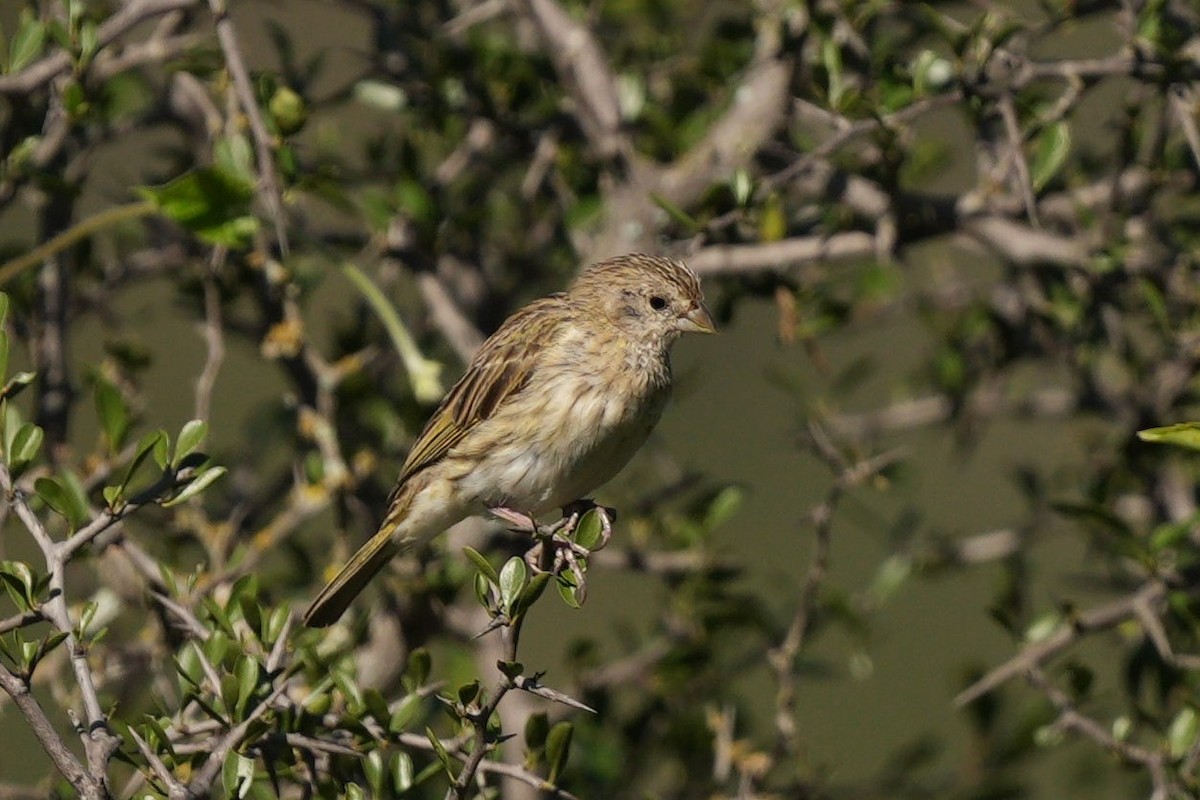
951	249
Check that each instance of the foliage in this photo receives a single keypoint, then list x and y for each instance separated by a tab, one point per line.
460	158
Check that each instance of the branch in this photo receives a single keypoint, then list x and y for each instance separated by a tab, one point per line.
64	760
584	71
1152	595
46	69
268	188
734	259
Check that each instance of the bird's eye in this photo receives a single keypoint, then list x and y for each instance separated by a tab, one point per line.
658	303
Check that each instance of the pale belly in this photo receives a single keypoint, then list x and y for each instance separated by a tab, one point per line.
562	452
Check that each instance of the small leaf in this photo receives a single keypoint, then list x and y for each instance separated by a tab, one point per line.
197	485
536	729
3	351
537	584
419	664
558	748
481	563
25	446
1054	145
1184	434
375	771
247	677
510	669
513	576
468	692
406	711
190	437
723	506
145	447
402	771
211	202
3	308
568	590
27	43
1181	735
440	750
61	500
16	383
676	213
18	578
588	530
113	414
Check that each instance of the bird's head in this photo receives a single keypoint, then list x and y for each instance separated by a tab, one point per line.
648	297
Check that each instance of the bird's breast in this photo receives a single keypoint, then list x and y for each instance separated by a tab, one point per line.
571	429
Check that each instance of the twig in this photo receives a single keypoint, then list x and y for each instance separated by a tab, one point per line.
44	70
268	188
1016	144
200	785
214	339
1151	595
47	736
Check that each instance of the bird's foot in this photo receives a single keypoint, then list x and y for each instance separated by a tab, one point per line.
517	519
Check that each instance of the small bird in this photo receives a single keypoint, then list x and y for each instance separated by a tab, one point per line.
553	405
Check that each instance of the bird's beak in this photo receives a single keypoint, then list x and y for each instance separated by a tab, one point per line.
698	320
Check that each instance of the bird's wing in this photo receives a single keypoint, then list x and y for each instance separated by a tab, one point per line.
500	368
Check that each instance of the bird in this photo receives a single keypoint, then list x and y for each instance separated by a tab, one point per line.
553	405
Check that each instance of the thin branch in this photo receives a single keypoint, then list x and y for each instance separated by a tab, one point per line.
268	188
733	259
132	14
1153	594
47	736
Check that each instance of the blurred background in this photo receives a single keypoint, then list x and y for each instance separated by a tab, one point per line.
896	535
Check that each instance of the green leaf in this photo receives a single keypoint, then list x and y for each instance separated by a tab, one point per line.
558	748
25	446
61	499
440	750
402	771
15	384
3	352
237	774
113	414
537	585
1184	434
20	582
424	374
190	436
3	312
536	729
417	671
27	43
831	58
211	202
468	692
145	447
247	677
197	485
676	213
481	563
588	530
376	772
723	506
513	576
568	590
406	711
1181	735
1053	147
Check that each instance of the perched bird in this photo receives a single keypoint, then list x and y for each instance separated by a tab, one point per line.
553	405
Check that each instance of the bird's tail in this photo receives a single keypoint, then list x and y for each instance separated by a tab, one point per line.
352	578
